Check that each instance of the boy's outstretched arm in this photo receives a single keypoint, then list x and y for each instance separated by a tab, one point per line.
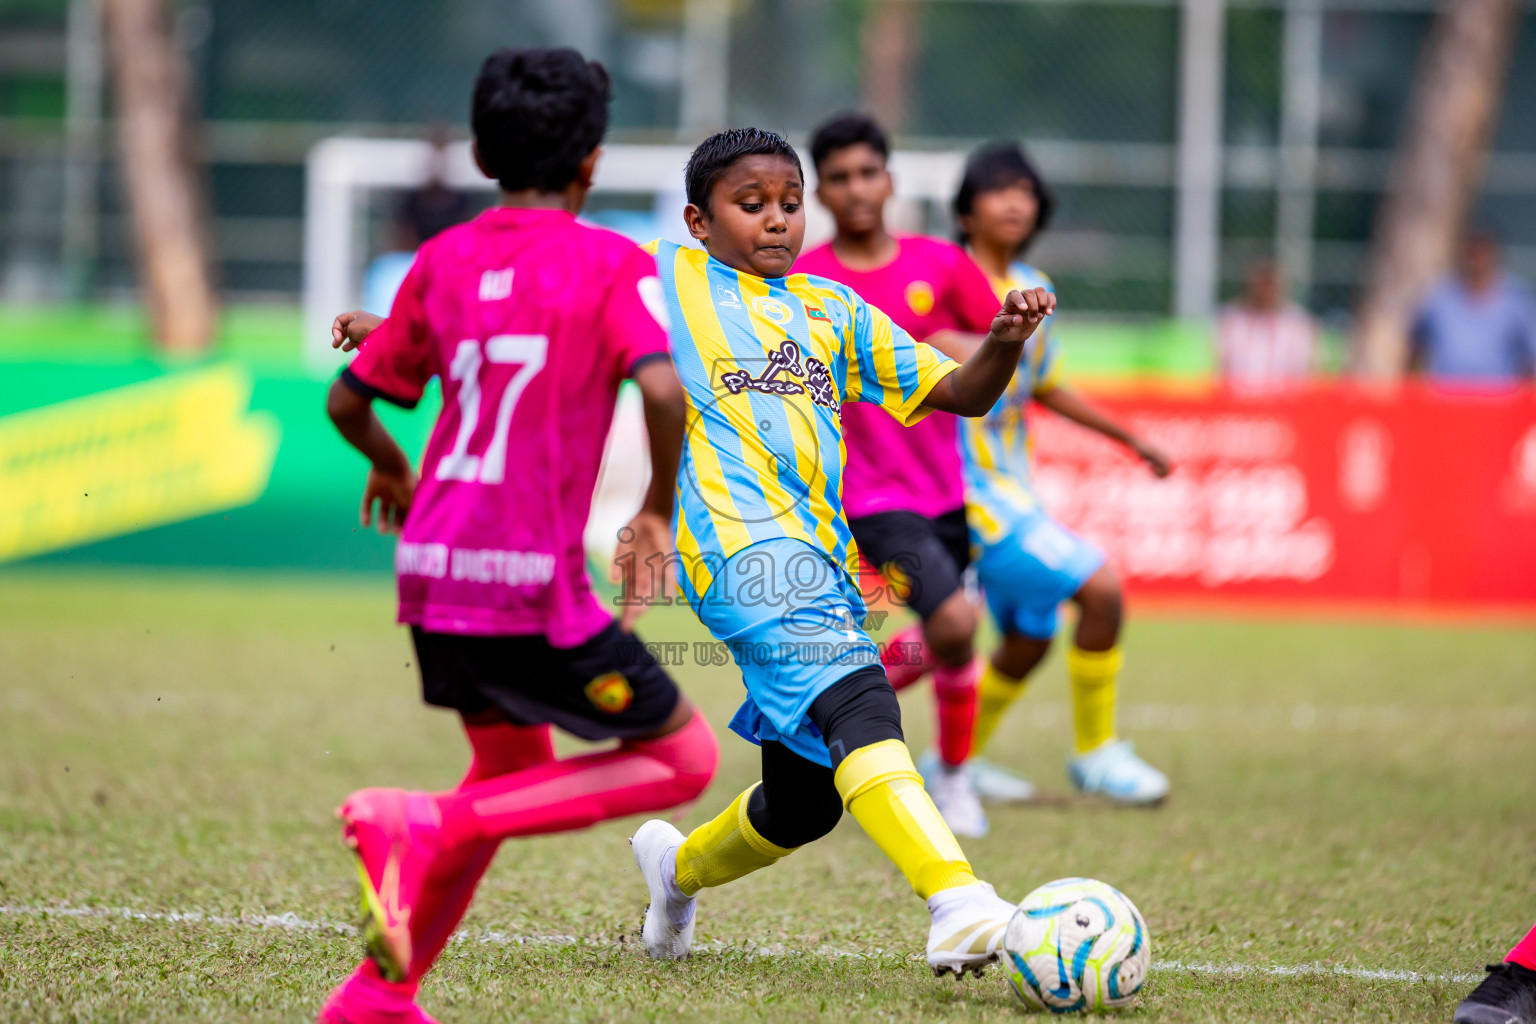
391	480
1065	402
982	378
642	558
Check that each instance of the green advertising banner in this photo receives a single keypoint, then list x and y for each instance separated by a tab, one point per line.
227	464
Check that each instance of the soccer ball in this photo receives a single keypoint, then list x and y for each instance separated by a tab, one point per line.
1076	944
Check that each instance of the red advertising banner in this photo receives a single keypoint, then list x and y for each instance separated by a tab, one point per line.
1337	493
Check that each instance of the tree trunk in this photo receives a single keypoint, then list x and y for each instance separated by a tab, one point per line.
1439	165
164	187
888	45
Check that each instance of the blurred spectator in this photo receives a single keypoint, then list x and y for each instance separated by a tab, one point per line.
1264	341
1479	324
434	204
425	210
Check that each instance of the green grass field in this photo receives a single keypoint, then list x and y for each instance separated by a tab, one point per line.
1347	796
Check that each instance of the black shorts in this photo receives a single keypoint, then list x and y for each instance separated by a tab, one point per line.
923	558
607	688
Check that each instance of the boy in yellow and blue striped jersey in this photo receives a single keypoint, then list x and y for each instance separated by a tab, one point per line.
767	359
1029	563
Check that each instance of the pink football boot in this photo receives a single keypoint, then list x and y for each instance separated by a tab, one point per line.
365	998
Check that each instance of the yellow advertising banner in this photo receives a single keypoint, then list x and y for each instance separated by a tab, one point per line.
124	460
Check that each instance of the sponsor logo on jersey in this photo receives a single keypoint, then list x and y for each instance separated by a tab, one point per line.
610	693
727	297
786	360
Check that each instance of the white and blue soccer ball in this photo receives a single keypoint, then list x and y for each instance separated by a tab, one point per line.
1076	944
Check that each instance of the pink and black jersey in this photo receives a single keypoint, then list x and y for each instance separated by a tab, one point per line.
930	286
531	320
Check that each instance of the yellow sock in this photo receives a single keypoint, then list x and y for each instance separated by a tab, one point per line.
724	849
882	790
1093	675
996	692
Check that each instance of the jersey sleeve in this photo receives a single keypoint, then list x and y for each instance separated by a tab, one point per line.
635	320
888	368
1047	374
396	361
970	297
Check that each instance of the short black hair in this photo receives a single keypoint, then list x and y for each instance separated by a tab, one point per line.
715	155
996	166
536	115
848	130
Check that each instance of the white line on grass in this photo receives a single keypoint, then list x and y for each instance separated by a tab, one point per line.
292	922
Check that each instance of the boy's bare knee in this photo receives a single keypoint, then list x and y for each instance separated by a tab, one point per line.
951	630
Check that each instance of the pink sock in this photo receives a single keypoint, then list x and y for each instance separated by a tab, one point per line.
454	880
503	748
955	691
369	977
498	749
1524	952
902	668
557	796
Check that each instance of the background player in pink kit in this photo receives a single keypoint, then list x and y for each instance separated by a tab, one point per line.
903	487
530	320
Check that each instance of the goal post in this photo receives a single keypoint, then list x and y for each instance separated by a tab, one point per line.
341	171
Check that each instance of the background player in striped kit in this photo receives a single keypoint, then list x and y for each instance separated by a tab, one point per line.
1029	563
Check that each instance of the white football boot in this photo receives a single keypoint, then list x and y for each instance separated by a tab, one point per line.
1113	770
993	783
956	800
668	930
997	784
967	929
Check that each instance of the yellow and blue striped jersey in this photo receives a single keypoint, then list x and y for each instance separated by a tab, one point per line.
767	365
996	448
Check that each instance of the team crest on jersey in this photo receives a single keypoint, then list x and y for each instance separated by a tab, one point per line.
610	692
920	297
772	309
787	373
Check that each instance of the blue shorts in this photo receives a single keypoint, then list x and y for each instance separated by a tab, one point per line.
794	622
1028	573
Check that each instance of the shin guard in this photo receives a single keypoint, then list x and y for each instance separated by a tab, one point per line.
1094	675
995	694
882	790
954	689
724	849
641	776
496	750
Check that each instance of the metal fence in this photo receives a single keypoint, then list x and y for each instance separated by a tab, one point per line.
1184	137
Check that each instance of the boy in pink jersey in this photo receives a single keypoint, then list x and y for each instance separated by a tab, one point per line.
903	487
531	320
